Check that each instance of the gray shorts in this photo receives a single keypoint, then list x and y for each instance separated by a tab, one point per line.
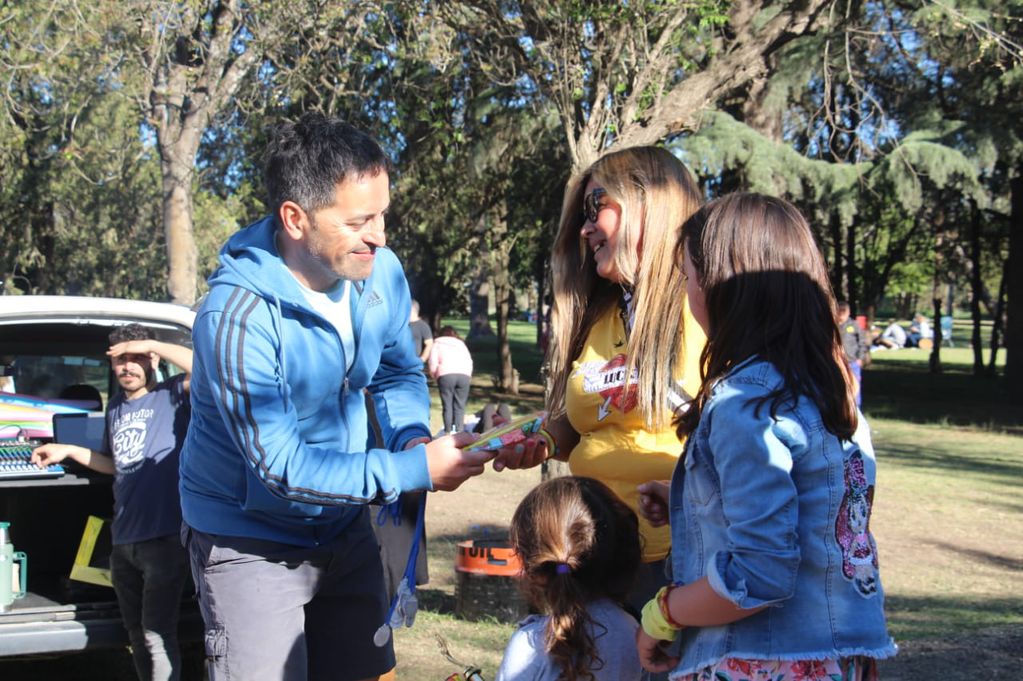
277	612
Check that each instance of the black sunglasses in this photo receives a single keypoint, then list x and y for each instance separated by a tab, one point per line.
591	204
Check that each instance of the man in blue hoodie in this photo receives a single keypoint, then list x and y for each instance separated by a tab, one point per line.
306	310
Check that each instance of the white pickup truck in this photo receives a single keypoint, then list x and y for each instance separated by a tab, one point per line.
46	344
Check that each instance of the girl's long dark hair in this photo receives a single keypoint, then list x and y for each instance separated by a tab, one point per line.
577	523
768	295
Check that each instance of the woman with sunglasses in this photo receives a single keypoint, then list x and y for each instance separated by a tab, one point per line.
619	310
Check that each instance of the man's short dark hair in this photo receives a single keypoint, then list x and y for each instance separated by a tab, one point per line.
130	332
306	160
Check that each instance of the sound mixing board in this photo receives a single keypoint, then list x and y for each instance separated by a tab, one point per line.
16	463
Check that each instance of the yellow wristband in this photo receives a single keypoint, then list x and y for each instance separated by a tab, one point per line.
552	447
653	622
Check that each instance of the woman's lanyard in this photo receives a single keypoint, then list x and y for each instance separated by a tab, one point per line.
626	311
678	399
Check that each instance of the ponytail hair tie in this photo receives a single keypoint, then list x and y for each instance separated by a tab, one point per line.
563	568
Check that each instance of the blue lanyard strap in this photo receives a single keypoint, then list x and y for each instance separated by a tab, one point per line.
404	604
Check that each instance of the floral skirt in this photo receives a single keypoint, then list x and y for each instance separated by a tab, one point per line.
734	669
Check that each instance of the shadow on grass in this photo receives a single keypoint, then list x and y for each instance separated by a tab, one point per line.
530	397
992	653
930	617
986	557
1006	507
483	531
905	390
932	458
436	600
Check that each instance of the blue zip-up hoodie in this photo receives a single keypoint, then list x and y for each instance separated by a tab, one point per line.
276	448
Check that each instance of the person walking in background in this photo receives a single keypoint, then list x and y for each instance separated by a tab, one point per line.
580	550
770	507
422	335
145	429
854	344
306	310
450	364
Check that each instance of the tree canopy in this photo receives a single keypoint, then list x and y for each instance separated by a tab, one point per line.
130	134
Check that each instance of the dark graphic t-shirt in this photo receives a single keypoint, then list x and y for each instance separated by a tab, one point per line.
144	437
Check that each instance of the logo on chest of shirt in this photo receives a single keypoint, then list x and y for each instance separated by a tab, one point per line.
373	300
608	379
128	440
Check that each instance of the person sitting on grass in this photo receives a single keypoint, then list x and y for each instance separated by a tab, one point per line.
919	330
580	551
893	337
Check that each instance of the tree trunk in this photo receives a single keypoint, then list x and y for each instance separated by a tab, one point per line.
185	93
999	319
509	379
502	302
935	359
541	308
479	303
479	296
837	270
939	233
976	285
1014	316
182	255
552	468
850	267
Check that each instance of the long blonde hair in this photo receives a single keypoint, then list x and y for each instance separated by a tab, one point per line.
656	194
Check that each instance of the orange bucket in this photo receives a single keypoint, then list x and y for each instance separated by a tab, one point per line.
484	557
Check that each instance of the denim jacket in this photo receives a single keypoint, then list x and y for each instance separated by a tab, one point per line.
775	512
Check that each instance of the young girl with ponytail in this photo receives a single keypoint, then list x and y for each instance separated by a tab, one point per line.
580	550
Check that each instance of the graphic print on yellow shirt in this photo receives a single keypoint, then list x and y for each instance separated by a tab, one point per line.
607	379
615	446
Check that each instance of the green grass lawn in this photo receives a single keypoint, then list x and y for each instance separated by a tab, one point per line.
526	357
949	525
948	516
898	385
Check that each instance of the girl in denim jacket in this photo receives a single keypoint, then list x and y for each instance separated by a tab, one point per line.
775	568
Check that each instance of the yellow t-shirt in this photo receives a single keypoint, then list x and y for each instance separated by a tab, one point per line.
615	445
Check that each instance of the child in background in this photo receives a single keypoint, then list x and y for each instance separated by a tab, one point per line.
775	568
580	550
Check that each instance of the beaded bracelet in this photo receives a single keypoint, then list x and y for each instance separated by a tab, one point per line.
662	602
654	623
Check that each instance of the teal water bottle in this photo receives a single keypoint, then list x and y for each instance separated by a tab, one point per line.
9	589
